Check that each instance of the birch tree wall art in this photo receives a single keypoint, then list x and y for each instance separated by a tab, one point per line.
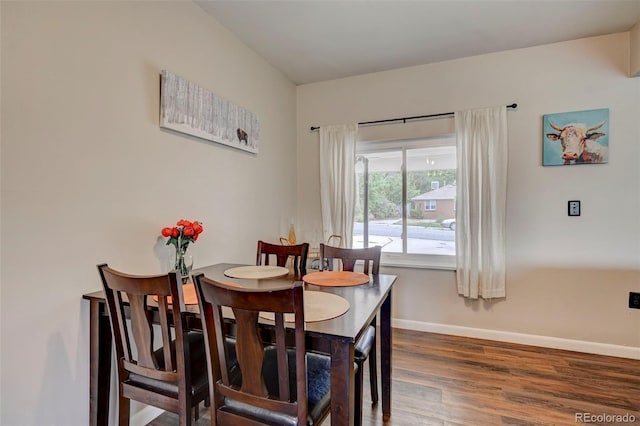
188	108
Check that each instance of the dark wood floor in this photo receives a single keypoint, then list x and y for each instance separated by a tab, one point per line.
448	380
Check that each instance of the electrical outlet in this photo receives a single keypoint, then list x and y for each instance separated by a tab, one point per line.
574	208
634	300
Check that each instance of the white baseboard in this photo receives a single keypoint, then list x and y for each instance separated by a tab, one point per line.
631	352
144	416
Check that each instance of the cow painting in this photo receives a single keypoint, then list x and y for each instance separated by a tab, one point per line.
242	136
575	142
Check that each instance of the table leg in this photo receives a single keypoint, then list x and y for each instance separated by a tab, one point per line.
385	356
342	383
99	364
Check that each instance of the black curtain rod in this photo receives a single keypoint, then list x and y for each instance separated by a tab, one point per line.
417	117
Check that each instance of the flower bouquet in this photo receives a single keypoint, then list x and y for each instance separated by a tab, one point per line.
180	236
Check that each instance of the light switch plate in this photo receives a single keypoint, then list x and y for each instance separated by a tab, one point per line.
574	208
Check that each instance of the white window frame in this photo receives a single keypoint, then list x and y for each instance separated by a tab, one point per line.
430	205
410	260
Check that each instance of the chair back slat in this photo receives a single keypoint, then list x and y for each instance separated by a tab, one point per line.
297	253
252	353
115	305
301	388
142	330
370	257
283	363
136	291
218	364
169	356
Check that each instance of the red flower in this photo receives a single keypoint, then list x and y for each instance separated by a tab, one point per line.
197	227
183	233
184	223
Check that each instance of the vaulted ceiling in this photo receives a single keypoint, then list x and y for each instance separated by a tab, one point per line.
313	41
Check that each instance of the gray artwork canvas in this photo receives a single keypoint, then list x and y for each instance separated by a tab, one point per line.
188	108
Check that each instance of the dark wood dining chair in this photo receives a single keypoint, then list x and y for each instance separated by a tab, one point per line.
297	253
173	377
366	345
273	383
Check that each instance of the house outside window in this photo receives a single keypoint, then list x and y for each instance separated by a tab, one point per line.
406	188
438	203
429	205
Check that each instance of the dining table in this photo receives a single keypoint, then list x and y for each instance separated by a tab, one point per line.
335	337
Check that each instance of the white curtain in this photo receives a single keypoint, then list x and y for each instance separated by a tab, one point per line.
337	180
481	202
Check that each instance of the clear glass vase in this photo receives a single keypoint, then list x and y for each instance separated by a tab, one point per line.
183	263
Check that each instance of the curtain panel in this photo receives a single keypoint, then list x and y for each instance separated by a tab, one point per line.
481	202
337	180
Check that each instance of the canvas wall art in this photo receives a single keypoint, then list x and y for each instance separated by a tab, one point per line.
579	137
187	108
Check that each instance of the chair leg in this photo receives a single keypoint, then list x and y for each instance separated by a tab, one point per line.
123	411
373	370
185	412
196	414
184	417
357	412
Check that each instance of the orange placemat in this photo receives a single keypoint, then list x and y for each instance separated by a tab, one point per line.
189	293
336	278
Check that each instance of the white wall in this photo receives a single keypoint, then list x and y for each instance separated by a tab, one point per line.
634	67
88	176
567	277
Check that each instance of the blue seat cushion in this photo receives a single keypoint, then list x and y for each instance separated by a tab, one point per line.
364	345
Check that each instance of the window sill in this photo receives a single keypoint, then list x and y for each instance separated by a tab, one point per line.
446	263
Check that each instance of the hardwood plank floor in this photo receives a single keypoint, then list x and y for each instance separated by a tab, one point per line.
448	380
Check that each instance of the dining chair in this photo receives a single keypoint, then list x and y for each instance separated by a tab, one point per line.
274	383
334	240
172	377
365	347
297	253
314	258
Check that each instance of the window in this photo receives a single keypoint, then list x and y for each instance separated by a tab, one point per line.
406	189
430	205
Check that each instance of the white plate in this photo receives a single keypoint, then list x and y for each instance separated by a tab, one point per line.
256	272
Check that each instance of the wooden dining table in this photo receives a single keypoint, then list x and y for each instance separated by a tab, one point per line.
335	337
